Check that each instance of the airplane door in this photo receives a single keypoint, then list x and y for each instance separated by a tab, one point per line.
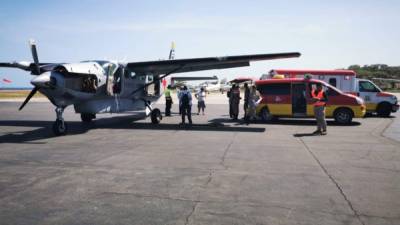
110	81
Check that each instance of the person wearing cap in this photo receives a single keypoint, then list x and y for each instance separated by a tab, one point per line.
320	99
185	97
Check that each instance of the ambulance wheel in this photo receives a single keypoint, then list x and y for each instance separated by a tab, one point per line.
265	115
87	117
156	116
384	109
60	127
343	116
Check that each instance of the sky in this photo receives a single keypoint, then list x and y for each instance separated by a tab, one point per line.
328	34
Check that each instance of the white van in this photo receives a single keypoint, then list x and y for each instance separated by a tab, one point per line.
377	101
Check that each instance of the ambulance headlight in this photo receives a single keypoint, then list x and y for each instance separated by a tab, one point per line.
360	101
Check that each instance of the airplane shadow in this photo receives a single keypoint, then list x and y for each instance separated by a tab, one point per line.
44	128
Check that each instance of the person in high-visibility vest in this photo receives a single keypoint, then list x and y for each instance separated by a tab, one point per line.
168	100
320	99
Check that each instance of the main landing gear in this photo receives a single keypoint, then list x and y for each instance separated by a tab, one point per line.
59	126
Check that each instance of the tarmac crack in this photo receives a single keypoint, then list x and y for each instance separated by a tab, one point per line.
334	182
187	219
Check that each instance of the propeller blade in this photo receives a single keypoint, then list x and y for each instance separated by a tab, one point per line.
35	57
34	90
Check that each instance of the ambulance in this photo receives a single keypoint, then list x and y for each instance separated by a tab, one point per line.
376	100
291	97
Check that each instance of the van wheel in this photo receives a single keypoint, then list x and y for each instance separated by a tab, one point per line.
343	116
384	109
265	115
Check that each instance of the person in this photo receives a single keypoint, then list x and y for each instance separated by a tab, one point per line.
228	94
201	105
179	100
320	99
246	99
235	101
168	100
252	104
186	104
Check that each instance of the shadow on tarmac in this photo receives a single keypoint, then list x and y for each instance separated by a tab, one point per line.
44	130
299	122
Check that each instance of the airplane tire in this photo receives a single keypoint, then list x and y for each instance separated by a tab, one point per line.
156	116
59	128
87	117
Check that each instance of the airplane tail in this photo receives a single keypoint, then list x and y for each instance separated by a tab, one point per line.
170	57
172	51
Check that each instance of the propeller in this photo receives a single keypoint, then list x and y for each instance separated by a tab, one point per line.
36	65
35	71
33	92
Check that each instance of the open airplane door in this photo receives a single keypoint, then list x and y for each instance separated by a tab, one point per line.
110	80
153	85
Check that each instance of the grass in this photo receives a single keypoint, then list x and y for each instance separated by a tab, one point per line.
18	94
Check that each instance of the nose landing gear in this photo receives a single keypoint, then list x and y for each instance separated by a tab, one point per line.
59	126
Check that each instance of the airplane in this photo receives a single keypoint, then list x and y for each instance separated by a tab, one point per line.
100	86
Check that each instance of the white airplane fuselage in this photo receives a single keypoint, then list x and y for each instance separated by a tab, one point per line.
64	86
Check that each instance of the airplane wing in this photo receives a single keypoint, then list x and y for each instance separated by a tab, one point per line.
199	64
28	66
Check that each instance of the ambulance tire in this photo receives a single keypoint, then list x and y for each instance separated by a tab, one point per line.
156	116
384	109
343	116
265	115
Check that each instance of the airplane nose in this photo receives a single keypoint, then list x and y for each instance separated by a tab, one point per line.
43	80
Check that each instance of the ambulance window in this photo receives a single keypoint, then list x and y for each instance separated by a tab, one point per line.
331	92
275	89
366	86
332	81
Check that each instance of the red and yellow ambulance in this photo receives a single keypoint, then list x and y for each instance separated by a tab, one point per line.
376	101
291	97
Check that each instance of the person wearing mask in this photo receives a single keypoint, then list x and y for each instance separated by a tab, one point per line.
168	100
246	99
235	101
251	110
320	99
185	98
201	105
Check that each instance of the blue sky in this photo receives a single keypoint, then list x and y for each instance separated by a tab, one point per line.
329	34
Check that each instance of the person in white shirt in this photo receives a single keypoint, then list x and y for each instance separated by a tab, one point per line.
201	105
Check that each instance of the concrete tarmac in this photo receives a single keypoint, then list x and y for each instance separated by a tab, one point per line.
124	170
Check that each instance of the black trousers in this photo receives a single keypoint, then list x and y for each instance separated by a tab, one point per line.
168	104
187	110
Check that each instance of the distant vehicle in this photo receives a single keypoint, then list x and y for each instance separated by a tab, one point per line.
291	97
212	87
376	100
100	86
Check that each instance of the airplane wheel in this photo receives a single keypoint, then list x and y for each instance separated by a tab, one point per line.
87	117
156	116
59	127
